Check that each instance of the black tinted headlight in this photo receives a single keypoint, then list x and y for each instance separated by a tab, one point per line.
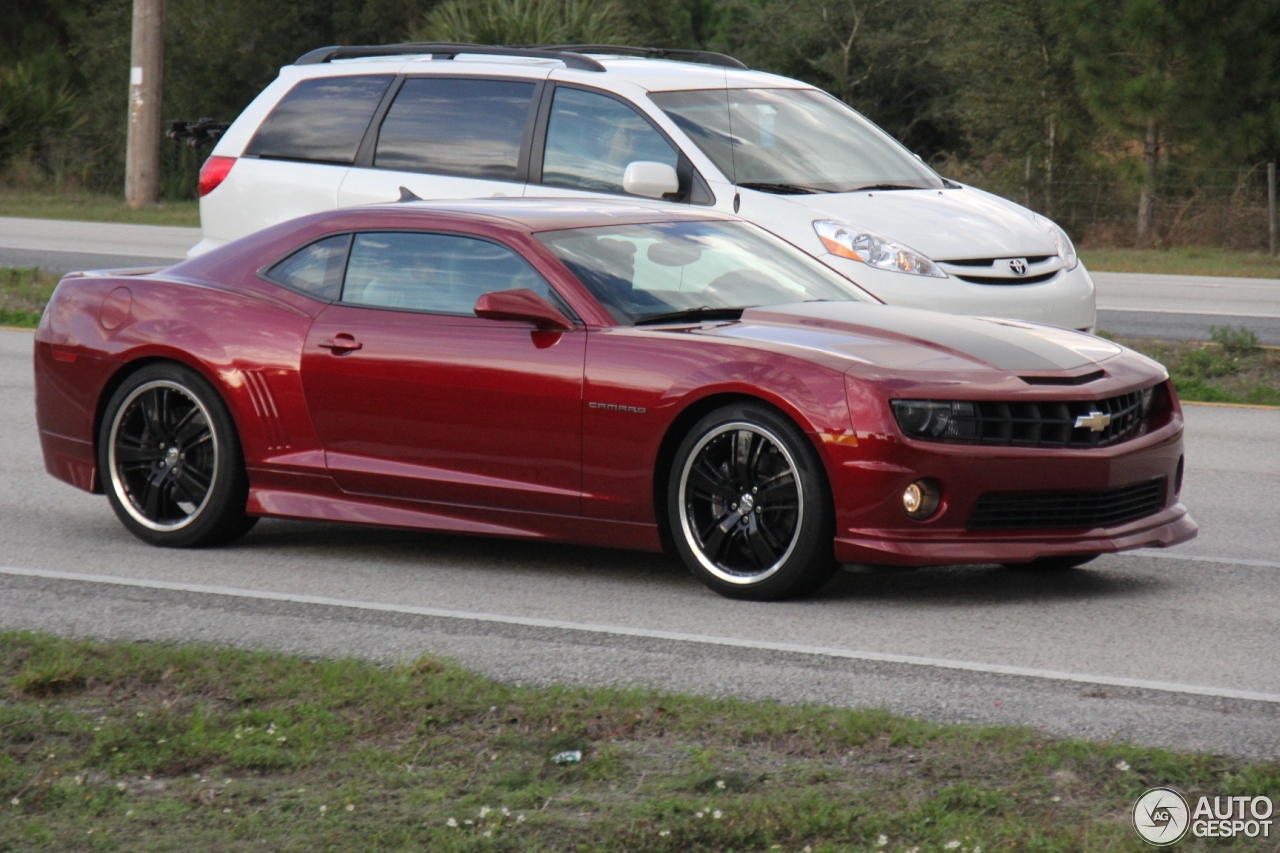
936	418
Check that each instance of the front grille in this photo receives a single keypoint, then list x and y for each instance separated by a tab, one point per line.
986	262
1040	423
1038	510
991	279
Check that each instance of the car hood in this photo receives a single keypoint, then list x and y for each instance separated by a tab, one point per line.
946	225
897	338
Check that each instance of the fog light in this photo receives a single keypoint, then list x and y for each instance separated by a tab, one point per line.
920	500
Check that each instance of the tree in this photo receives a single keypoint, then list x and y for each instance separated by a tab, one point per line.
879	56
1015	88
1152	71
526	22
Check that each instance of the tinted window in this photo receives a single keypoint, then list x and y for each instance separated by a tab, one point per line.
321	119
440	273
471	128
591	139
315	269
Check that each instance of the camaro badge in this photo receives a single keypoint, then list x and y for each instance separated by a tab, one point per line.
614	407
1096	421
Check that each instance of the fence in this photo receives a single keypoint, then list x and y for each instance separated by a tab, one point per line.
1230	208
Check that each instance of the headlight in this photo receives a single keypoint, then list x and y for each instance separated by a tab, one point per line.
1066	250
936	418
845	241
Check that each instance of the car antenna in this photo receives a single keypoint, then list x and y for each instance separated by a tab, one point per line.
407	194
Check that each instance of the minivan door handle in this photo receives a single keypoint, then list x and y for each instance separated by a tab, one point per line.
342	344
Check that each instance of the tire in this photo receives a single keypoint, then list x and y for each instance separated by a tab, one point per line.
170	460
782	546
1053	564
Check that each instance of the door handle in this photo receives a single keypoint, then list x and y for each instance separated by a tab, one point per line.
341	344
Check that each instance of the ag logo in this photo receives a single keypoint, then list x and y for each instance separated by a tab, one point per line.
1018	266
1161	816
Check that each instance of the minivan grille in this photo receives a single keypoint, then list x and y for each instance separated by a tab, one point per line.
1036	510
1001	280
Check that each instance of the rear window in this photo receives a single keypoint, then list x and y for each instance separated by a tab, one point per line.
321	120
469	128
316	268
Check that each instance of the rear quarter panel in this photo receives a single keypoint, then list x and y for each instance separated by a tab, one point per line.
246	341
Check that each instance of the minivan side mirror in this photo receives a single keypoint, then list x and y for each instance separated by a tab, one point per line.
521	304
650	179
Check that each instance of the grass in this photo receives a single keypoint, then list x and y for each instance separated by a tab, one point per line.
92	207
1184	260
1231	368
23	294
114	746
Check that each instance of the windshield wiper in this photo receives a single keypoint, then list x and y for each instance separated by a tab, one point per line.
704	312
781	189
884	187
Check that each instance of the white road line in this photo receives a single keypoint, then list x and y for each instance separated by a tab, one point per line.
1231	561
679	636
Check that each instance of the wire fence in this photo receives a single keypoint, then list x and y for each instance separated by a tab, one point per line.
1229	208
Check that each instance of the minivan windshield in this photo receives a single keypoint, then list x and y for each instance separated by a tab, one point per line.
793	141
694	269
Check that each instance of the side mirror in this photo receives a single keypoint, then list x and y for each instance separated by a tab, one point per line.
521	304
649	179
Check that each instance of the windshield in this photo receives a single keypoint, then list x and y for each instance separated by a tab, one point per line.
639	272
793	141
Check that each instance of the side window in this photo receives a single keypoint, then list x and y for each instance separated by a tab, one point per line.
315	268
321	120
469	128
591	139
440	273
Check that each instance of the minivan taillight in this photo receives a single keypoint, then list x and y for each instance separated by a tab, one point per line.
213	172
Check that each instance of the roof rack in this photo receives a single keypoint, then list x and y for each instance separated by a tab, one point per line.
705	56
446	50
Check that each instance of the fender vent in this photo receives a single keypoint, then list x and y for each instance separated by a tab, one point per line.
264	405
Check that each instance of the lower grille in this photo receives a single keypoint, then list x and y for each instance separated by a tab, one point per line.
991	279
1038	510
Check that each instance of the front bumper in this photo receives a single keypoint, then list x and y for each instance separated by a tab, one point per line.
868	479
1067	300
1168	527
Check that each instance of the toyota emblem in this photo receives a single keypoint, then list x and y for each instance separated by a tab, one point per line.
1018	266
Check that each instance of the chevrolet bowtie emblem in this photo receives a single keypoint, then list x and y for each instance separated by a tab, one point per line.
1096	421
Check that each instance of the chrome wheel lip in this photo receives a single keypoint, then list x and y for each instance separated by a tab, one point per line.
720	572
122	494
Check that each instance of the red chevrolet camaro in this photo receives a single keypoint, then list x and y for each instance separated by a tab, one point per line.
611	373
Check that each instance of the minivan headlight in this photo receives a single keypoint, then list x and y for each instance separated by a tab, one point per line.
1066	249
845	241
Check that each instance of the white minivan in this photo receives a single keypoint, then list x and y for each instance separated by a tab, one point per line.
355	125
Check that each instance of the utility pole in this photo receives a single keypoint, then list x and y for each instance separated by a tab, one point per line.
146	73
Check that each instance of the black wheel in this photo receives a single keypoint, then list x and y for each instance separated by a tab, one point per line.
749	505
1054	564
171	462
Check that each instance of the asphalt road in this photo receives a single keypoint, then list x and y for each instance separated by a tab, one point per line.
61	246
1186	307
1172	648
1132	305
